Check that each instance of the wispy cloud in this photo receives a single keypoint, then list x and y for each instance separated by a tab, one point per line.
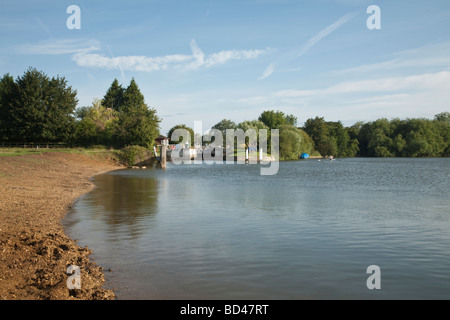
323	33
130	63
416	95
439	80
122	73
268	71
85	53
44	26
298	52
197	59
58	47
431	55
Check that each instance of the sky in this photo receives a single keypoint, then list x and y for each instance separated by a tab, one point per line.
208	60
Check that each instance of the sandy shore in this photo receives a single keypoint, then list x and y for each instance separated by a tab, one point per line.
36	191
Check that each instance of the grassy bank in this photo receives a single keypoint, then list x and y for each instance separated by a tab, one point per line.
93	153
127	156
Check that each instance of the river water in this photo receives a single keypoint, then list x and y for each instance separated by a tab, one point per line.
308	232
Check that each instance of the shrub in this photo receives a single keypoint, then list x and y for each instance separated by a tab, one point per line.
130	155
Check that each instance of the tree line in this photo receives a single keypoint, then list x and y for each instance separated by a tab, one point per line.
415	137
37	108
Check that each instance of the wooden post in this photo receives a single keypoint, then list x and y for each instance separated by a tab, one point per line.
163	153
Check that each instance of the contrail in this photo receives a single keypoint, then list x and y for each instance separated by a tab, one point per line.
306	47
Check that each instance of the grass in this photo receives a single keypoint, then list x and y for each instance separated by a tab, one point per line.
100	153
5	152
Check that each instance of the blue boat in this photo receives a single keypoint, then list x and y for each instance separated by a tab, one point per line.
304	156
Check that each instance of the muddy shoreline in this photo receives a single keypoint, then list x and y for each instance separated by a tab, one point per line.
36	192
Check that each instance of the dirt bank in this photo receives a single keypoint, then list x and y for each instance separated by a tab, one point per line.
36	192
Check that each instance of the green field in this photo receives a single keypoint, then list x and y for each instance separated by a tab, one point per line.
101	154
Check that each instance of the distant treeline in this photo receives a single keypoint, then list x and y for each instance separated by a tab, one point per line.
383	137
380	138
36	108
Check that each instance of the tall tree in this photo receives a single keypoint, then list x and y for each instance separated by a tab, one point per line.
138	126
132	96
424	139
345	147
114	96
291	120
7	92
137	123
275	119
380	138
61	105
318	130
42	108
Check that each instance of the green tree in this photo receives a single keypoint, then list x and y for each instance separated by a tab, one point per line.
340	143
138	126
61	103
42	108
376	137
291	120
307	145
444	131
318	130
257	126
254	124
114	96
222	126
181	126
290	142
82	112
97	125
398	144
276	119
406	138
443	116
8	90
132	96
423	138
137	123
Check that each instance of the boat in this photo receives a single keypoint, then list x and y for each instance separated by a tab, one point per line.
304	156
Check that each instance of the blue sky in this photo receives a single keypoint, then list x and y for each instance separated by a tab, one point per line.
209	60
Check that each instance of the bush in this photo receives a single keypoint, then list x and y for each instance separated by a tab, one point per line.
133	154
290	143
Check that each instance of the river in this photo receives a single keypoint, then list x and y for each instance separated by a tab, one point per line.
224	231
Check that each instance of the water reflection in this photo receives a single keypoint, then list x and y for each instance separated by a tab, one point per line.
122	203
